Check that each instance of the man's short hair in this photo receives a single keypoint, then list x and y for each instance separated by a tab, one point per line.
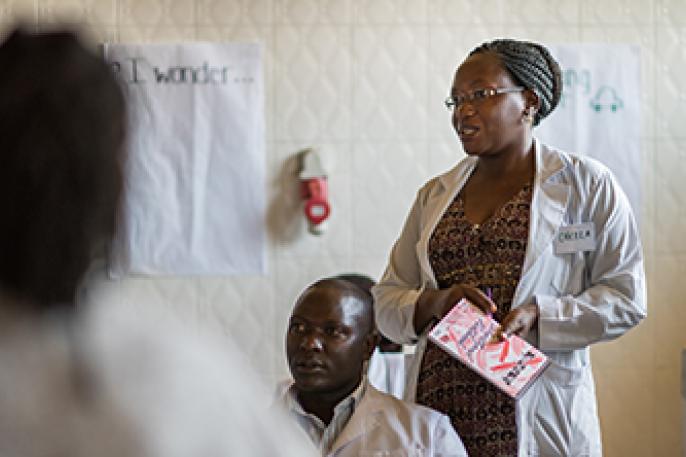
353	289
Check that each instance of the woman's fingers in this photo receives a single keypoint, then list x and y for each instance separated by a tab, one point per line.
518	322
479	299
504	330
511	325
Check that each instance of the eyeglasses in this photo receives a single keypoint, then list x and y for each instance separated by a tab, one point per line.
478	95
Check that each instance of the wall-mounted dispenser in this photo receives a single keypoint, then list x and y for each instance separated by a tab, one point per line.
314	191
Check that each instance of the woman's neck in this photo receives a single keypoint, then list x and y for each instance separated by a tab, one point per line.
515	163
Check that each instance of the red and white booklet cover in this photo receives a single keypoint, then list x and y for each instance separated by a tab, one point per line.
511	365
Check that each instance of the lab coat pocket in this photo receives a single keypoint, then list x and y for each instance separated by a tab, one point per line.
564	413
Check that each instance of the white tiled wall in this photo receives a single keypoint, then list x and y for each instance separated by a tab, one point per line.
363	80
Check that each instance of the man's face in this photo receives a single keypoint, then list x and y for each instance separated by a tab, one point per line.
328	340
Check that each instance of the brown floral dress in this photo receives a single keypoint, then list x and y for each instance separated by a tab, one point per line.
489	256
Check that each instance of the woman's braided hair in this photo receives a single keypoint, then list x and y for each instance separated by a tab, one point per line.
532	66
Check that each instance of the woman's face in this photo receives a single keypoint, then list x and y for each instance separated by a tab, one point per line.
492	125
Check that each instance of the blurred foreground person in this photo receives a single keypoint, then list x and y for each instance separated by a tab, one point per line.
95	382
330	337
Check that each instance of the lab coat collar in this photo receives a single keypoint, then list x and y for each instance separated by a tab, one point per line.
548	205
451	183
362	421
548	164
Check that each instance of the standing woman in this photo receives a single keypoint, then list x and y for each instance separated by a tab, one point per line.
494	229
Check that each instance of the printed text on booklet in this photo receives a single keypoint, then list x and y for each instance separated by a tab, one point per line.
511	365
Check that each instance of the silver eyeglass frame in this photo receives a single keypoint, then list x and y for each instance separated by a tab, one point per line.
478	95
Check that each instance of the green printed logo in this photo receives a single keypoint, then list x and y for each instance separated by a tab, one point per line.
606	99
578	84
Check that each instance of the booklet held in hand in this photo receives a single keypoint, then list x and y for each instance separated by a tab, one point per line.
511	365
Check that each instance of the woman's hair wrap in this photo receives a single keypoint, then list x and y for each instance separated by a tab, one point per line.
533	67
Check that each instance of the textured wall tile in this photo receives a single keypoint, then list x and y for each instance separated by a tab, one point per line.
157	12
531	12
336	12
646	218
545	34
667	307
237	32
259	11
627	410
670	90
299	12
669	415
636	348
241	309
218	13
175	298
386	12
161	34
670	211
389	83
314	85
440	127
292	276
468	12
372	266
671	12
12	10
93	35
229	12
101	12
609	12
382	170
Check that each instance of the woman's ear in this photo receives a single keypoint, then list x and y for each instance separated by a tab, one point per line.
531	99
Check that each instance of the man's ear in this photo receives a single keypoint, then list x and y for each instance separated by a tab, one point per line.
371	341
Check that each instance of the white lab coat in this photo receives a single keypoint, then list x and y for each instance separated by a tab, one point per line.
583	297
111	382
382	423
386	372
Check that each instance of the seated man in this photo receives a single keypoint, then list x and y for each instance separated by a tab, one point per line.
330	337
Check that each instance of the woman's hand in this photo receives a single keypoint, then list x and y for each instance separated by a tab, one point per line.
518	322
434	304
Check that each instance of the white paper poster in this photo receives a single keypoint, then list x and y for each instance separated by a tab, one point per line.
195	181
599	113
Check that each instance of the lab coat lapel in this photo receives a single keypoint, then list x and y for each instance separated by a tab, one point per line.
548	206
451	184
361	422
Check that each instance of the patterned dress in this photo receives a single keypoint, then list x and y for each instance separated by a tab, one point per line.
488	256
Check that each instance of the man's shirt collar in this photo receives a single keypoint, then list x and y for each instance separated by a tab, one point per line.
323	436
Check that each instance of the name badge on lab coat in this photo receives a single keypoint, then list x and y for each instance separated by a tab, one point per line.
575	238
